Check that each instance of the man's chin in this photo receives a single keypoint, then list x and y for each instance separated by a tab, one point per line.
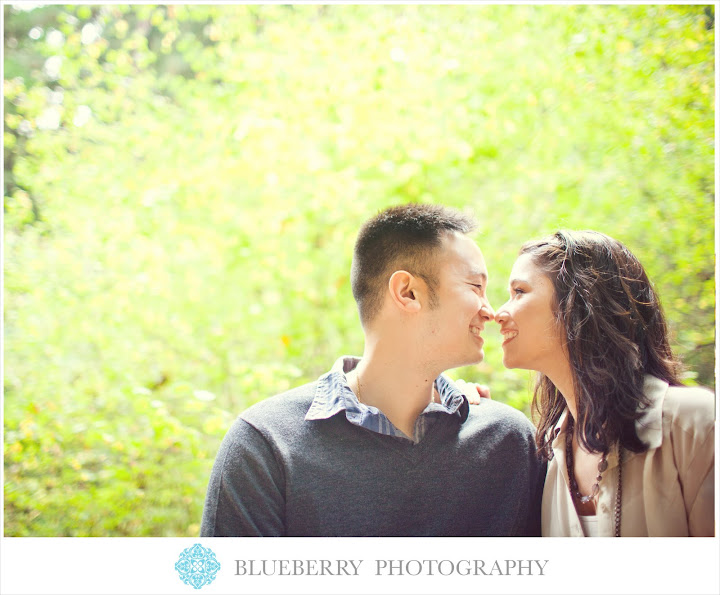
470	360
479	357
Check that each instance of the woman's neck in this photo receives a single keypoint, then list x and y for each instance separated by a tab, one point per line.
562	378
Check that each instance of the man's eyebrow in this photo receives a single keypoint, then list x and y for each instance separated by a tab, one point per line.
479	273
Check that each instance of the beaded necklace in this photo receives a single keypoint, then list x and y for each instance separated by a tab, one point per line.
602	467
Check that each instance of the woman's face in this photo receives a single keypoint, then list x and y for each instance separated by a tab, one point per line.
532	338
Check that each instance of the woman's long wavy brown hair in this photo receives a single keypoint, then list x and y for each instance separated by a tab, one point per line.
615	333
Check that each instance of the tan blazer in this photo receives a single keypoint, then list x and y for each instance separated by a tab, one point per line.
667	491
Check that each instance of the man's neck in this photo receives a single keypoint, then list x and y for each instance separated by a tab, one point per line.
394	384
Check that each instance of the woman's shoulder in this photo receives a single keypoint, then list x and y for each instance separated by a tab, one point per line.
689	407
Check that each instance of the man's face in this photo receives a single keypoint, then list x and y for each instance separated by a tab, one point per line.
454	325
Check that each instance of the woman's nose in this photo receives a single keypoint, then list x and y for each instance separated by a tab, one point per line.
501	316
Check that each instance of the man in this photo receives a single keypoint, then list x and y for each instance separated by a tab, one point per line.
386	445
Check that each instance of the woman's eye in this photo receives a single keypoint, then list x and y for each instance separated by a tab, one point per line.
517	291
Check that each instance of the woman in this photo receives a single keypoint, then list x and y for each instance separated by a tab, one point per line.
630	450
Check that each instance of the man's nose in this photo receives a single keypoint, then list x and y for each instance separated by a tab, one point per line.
487	312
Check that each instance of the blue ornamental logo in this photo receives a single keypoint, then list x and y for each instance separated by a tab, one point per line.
197	566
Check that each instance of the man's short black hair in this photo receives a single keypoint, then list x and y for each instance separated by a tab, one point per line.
400	238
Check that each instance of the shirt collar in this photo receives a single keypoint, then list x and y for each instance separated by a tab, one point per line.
649	426
333	395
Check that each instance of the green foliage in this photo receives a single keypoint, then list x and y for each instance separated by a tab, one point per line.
183	185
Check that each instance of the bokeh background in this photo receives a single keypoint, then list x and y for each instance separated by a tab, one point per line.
183	185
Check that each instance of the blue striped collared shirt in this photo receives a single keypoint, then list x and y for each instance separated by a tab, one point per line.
333	395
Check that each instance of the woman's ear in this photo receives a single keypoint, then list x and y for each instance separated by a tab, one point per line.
406	291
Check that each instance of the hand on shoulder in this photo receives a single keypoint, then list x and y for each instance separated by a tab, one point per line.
474	392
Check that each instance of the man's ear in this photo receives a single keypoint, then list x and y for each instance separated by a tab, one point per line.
406	291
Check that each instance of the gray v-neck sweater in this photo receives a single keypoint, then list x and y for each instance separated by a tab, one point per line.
279	474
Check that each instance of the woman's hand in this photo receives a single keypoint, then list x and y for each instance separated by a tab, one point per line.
474	392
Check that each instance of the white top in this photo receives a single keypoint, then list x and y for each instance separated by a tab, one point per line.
667	491
589	525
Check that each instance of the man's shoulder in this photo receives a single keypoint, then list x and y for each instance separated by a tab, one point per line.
498	415
498	432
290	405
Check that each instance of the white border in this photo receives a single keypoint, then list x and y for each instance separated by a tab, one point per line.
146	565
